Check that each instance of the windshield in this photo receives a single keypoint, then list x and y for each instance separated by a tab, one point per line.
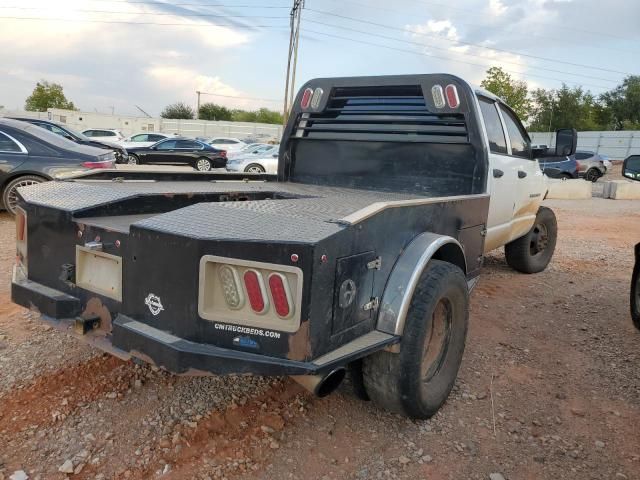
77	134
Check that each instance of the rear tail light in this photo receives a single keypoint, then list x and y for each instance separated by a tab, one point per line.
438	96
306	98
103	164
578	166
317	96
231	288
451	92
255	291
223	153
280	294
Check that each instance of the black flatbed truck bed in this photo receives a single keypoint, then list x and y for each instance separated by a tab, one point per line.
376	185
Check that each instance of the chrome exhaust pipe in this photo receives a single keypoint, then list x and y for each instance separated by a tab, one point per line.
321	385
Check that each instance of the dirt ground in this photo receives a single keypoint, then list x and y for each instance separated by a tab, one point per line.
549	389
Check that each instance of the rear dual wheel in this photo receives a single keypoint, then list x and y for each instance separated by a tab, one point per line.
417	381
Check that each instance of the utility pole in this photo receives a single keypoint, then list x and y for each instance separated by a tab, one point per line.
294	37
198	105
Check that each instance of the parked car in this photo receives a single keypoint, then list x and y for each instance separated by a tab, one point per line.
591	166
559	166
144	139
228	144
108	134
631	170
30	154
179	151
77	137
253	149
266	162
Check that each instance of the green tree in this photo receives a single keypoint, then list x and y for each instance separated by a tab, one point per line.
47	95
623	103
178	110
264	115
211	111
565	108
513	92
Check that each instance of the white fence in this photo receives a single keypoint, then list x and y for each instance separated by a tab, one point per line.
129	125
616	145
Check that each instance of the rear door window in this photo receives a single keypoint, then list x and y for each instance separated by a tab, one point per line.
518	138
495	133
8	145
168	145
188	145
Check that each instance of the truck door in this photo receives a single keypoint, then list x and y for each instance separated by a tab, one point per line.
502	177
530	186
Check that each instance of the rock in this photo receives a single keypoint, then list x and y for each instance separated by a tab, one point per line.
577	412
426	458
78	469
66	467
274	445
496	476
19	475
481	395
111	395
599	444
403	460
267	429
561	396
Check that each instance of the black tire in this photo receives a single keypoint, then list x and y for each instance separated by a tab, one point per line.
9	194
417	381
254	168
634	301
592	175
532	252
133	160
203	165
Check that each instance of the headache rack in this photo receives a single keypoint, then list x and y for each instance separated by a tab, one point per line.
382	113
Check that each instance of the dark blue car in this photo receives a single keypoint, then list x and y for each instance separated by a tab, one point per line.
559	167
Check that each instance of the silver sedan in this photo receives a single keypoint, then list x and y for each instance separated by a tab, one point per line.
265	162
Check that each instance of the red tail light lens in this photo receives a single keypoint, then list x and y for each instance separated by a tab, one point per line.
451	92
280	294
106	164
21	225
255	291
223	153
306	98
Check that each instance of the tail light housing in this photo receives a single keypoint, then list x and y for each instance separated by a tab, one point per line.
451	92
101	164
306	98
223	153
236	292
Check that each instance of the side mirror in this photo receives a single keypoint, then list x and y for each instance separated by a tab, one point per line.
566	142
631	168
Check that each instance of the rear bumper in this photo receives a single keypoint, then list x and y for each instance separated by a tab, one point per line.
131	338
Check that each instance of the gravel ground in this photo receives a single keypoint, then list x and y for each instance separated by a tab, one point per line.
548	389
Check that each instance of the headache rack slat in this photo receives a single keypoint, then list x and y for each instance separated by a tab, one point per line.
395	113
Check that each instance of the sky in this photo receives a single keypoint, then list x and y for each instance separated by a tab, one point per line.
122	54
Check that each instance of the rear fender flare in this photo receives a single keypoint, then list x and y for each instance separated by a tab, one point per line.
406	274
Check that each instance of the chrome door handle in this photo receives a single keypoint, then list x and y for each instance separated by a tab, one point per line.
521	174
497	173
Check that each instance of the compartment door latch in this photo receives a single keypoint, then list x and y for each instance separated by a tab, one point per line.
372	305
375	264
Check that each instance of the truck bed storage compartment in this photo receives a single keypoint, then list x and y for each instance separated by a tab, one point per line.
352	291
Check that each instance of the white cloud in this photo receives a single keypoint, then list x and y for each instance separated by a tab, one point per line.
496	7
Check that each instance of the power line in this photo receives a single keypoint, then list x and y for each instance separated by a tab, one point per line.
241	98
214	15
485	26
405	30
464	54
449	59
163	4
124	22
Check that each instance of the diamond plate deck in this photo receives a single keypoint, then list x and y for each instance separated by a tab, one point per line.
306	214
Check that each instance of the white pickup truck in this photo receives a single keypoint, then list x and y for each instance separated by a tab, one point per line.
359	255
